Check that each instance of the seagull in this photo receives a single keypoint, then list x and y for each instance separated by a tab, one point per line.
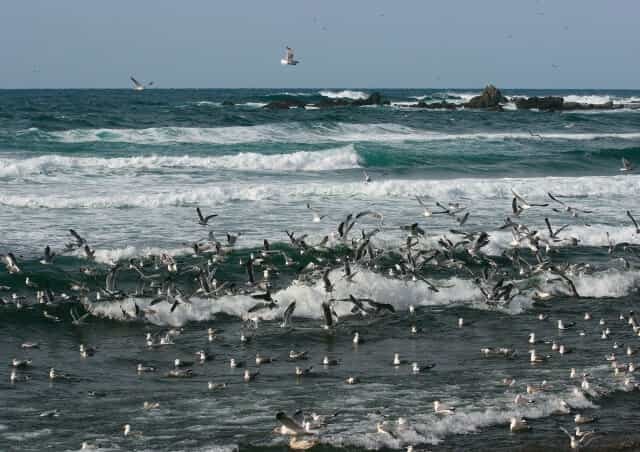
441	408
202	219
427	212
289	426
301	372
86	352
137	86
627	166
144	369
522	203
635	223
20	363
518	425
297	356
397	361
286	316
30	345
573	211
581	419
248	376
576	443
326	361
289	59
79	240
126	429
77	320
316	215
10	263
48	256
263	359
416	369
53	375
296	443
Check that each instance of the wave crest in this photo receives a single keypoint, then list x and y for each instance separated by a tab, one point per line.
332	159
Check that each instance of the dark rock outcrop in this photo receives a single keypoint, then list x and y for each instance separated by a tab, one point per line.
549	103
436	105
491	98
227	103
374	99
284	104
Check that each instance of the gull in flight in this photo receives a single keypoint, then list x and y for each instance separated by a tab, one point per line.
202	219
520	204
316	215
573	211
635	223
626	165
289	59
137	86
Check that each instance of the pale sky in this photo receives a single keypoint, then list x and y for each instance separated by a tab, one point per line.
340	43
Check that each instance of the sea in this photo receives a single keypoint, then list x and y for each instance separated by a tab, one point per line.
126	171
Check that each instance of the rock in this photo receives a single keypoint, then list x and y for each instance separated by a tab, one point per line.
436	105
549	103
284	104
374	99
491	97
227	103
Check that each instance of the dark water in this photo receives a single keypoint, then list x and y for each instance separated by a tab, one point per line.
127	169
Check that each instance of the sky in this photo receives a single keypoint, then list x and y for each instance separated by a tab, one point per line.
340	43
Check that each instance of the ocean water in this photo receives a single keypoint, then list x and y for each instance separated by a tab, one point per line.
126	170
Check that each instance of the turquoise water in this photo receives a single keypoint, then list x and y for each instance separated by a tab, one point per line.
126	170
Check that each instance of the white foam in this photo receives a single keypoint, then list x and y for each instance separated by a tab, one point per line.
205	103
345	94
588	99
298	133
482	190
327	160
366	284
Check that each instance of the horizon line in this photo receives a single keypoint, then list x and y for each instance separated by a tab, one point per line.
316	88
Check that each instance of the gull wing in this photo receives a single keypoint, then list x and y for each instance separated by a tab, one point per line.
136	83
289	423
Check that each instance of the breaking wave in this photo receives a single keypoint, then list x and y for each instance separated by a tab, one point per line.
299	133
332	159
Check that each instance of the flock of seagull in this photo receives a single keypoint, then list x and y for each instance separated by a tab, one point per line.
528	268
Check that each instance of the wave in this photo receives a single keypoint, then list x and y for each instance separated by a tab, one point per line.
469	418
366	284
617	187
298	133
345	94
332	159
589	99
